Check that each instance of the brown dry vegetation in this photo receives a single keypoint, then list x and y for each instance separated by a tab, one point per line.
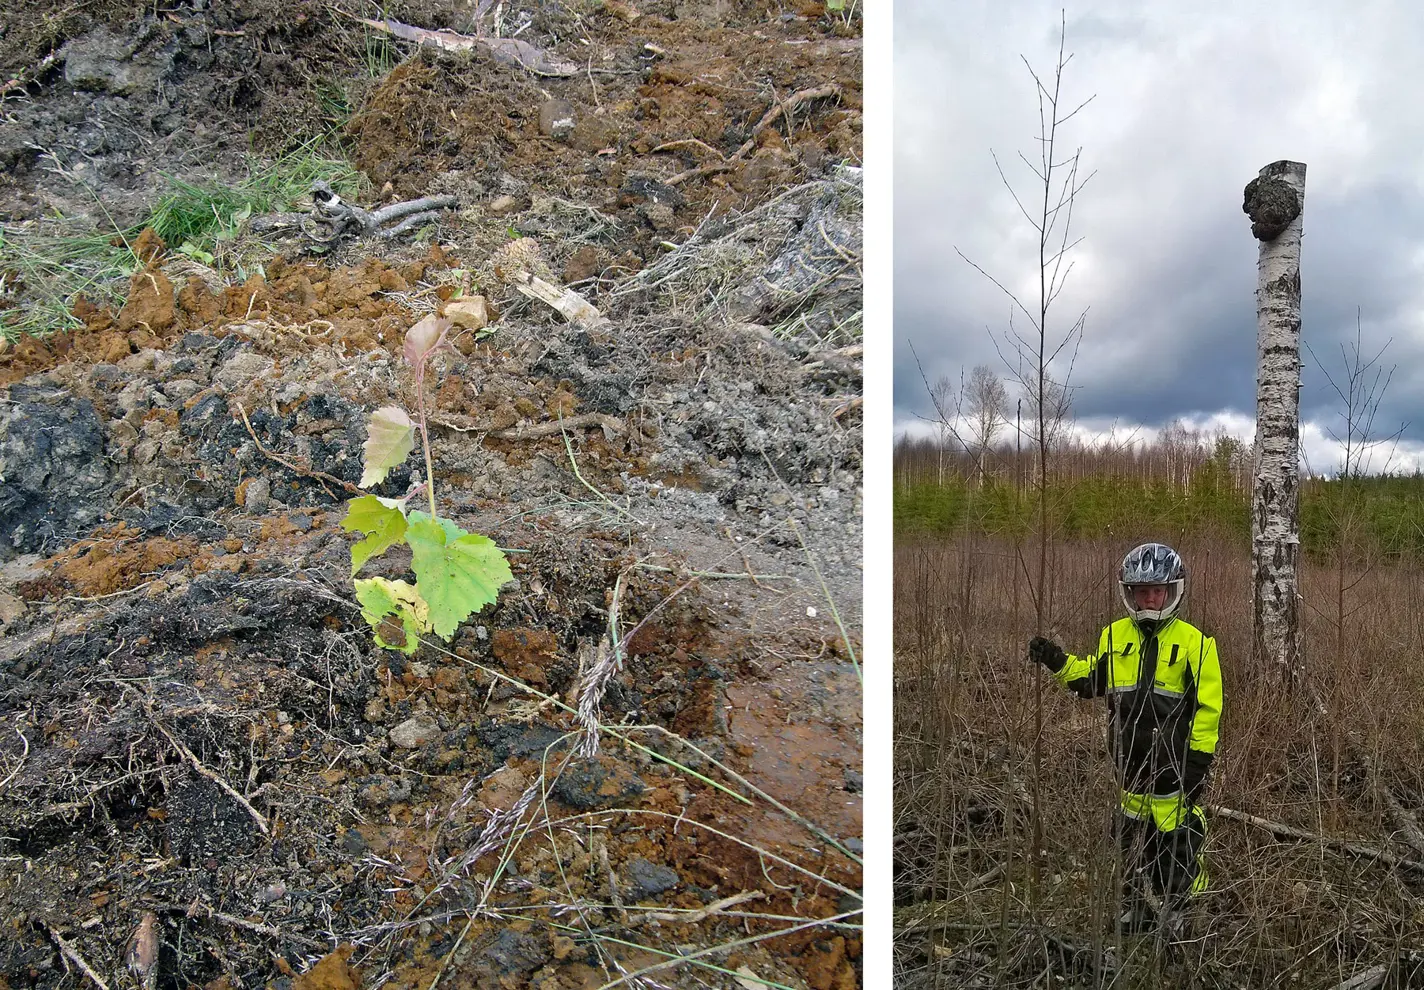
971	908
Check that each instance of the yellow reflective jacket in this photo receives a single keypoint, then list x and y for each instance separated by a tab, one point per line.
1164	701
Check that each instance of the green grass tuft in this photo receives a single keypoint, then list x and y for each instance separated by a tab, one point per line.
196	218
56	259
54	262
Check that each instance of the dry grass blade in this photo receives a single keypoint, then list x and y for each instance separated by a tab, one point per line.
693	956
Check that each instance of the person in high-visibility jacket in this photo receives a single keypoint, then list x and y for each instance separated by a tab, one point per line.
1162	680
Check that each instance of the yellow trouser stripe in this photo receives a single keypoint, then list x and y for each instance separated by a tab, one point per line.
1168	813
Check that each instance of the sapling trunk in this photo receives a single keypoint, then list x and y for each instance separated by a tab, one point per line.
425	443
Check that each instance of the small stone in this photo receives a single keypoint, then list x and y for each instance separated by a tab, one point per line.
100	62
593	134
258	496
11	608
556	118
144	360
647	879
181	389
470	312
502	789
415	732
600	783
240	369
586	262
136	395
501	205
661	216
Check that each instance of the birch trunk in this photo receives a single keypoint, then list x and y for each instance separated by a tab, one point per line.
1274	201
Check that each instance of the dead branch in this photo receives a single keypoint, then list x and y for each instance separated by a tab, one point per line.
569	304
693	173
687	143
1376	976
785	107
1285	831
236	922
511	51
1402	817
928	916
298	469
694	917
23	756
728	164
610	423
1368	980
388	221
72	954
601	845
215	777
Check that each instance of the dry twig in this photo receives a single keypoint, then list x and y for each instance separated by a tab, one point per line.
1285	831
785	106
236	922
610	423
781	107
215	777
72	954
716	907
305	472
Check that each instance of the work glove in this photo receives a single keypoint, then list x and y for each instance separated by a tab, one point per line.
1047	652
1194	774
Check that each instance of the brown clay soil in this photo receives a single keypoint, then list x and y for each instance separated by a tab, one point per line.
210	775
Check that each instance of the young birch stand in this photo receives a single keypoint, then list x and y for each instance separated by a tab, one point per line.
1274	201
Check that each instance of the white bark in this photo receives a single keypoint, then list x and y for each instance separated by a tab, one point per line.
1275	526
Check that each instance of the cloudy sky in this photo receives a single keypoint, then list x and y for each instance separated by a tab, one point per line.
1190	99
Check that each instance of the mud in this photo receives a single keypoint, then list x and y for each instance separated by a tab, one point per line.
194	720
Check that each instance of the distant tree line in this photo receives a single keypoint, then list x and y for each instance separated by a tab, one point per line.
1180	481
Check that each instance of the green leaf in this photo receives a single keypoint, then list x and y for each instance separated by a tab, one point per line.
380	598
458	573
383	522
390	437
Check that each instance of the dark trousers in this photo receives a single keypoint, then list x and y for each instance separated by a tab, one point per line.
1162	840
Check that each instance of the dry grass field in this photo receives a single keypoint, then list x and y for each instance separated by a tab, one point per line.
989	752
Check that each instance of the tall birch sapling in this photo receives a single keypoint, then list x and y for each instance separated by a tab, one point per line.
457	573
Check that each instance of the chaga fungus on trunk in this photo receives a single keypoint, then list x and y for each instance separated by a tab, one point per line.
1271	204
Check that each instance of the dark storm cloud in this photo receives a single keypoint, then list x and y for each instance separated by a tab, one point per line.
1190	100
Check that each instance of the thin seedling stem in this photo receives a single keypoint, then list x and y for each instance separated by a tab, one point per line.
425	440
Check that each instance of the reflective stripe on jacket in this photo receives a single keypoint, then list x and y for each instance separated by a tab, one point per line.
1164	698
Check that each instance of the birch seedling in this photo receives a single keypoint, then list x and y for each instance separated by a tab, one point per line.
1274	201
1047	206
457	573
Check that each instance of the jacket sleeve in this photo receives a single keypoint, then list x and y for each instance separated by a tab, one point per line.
1086	676
1208	687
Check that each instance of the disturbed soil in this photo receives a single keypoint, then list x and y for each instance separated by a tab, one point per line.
210	775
